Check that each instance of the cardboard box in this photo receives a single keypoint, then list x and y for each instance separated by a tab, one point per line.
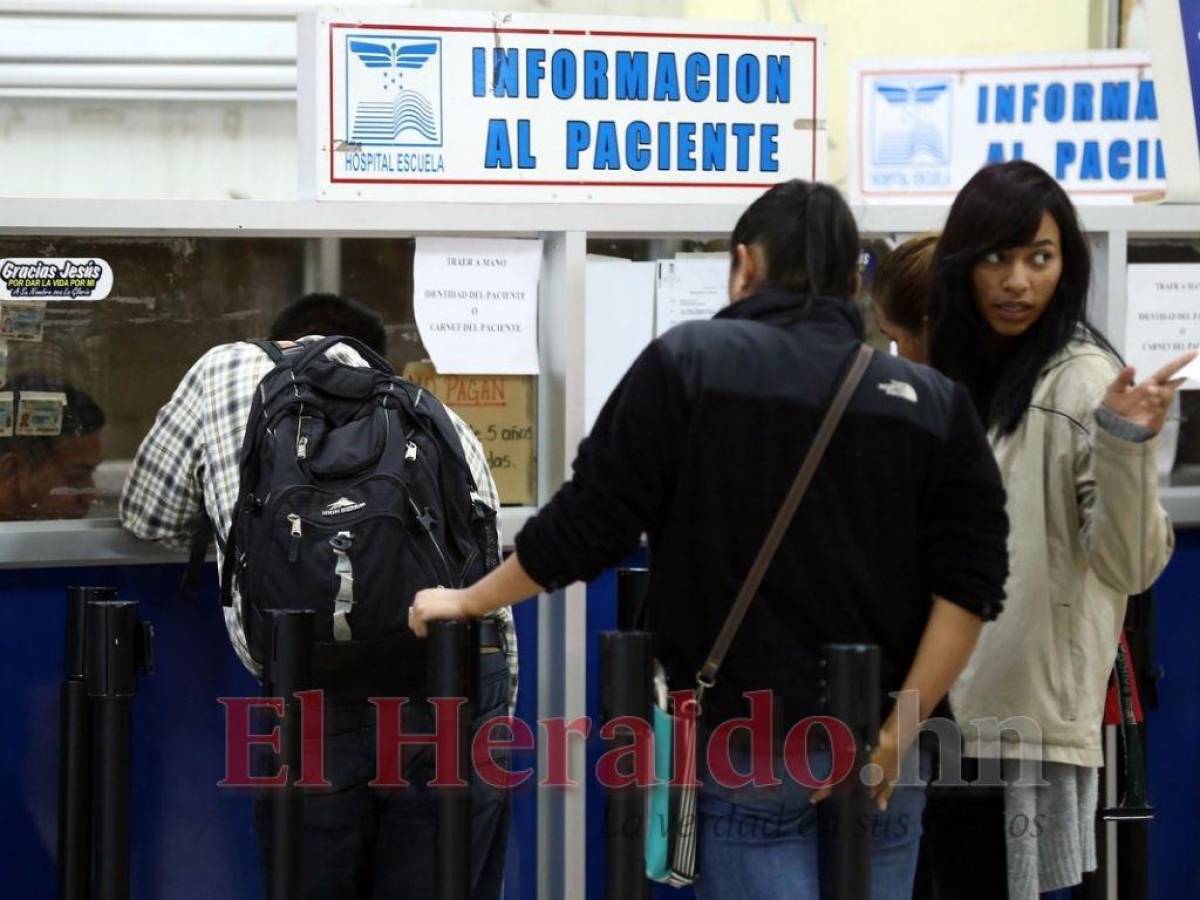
502	409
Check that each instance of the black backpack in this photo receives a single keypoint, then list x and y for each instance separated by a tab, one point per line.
354	495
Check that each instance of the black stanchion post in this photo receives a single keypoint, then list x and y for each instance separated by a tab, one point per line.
117	647
75	749
625	661
454	672
631	596
851	676
288	669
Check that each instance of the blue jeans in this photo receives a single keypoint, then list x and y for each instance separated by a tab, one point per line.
365	843
763	843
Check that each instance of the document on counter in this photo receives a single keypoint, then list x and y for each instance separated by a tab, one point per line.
476	304
688	289
1162	318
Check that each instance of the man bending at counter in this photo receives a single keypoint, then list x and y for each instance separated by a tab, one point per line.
359	842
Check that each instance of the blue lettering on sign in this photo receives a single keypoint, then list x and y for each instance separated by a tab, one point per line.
742	132
633	75
562	74
478	73
1055	103
578	138
779	79
1064	155
498	154
981	106
608	153
1006	103
595	75
664	146
1082	108
535	71
687	147
505	75
768	148
1029	101
666	78
637	136
695	77
1089	163
1147	103
712	155
747	78
1118	160
722	77
995	153
525	157
1114	101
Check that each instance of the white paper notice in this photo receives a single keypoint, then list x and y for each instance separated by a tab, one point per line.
476	304
618	324
690	289
1162	319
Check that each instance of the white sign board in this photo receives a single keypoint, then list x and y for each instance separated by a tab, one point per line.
1162	320
922	129
422	105
476	302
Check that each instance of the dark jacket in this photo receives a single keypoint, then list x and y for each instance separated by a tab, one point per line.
697	447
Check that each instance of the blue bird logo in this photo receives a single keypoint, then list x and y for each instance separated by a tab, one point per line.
399	108
917	134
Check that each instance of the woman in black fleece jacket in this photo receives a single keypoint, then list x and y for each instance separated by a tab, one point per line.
900	541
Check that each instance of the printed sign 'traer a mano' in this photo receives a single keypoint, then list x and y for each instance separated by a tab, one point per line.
480	106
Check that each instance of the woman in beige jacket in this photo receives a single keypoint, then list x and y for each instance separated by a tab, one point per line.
1073	433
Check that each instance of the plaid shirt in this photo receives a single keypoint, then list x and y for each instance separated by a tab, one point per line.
190	458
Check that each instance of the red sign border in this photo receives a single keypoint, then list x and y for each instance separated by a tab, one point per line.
332	26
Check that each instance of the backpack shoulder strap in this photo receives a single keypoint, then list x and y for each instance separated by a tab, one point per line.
425	405
272	350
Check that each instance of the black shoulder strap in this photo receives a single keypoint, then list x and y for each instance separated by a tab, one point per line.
425	406
272	350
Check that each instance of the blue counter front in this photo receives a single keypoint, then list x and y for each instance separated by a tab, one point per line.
192	839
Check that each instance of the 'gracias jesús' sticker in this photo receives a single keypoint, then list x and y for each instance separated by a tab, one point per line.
77	278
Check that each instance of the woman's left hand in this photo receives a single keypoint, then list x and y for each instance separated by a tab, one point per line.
1146	404
436	603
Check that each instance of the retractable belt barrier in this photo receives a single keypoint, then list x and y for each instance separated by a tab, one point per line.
288	669
851	685
107	646
454	672
625	666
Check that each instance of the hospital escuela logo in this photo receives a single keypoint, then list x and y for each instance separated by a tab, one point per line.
911	122
394	90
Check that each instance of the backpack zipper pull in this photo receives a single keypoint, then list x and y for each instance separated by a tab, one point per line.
302	447
297	533
410	452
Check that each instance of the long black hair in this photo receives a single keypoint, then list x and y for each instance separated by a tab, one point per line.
808	235
999	208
